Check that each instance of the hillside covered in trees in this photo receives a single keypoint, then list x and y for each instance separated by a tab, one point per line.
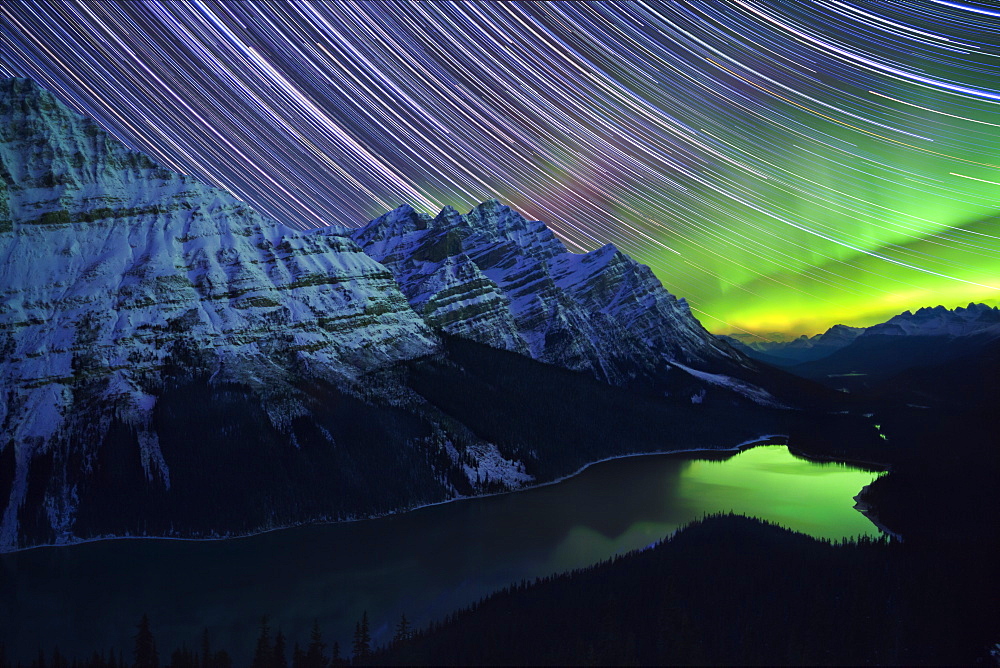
727	590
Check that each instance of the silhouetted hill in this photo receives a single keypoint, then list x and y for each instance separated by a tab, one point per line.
726	591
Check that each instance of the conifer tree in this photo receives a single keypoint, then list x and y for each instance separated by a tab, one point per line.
206	649
263	655
403	632
222	659
279	651
356	644
314	657
362	640
183	658
146	655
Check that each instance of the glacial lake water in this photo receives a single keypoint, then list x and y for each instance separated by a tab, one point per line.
423	563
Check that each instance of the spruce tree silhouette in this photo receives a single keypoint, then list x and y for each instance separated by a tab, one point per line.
145	646
263	655
362	640
279	660
403	631
314	656
206	649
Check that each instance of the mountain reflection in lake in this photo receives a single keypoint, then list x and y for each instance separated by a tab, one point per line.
424	563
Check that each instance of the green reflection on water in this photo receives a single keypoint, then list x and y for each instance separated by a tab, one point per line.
770	483
424	563
662	494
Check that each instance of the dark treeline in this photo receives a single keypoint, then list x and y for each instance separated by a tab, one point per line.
727	591
270	650
558	421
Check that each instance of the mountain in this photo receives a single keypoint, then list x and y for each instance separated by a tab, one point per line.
934	334
966	382
927	337
174	363
939	321
494	277
803	349
123	280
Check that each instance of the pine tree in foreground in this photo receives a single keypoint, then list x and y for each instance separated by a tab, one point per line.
314	656
279	660
335	659
145	646
362	640
263	655
403	631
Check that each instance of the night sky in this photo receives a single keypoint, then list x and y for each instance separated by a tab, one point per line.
783	165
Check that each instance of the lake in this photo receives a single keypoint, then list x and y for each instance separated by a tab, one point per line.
423	563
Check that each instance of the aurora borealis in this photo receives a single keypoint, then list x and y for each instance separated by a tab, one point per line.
784	166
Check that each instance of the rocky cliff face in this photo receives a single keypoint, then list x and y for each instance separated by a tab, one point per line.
496	278
114	270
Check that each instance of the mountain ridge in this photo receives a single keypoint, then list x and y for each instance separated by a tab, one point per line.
176	363
930	321
579	311
113	265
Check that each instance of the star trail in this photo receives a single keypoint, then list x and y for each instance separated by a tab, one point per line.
784	166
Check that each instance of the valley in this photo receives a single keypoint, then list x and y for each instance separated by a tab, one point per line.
424	564
209	416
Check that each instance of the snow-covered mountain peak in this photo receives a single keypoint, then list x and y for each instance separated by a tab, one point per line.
518	287
977	310
152	324
839	334
57	167
493	221
940	321
27	95
117	273
448	217
801	349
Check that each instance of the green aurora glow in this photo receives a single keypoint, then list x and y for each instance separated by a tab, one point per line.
865	235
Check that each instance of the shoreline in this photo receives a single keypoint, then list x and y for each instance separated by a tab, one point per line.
764	439
873	467
868	511
733	451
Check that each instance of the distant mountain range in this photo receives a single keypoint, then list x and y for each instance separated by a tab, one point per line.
802	349
856	358
175	363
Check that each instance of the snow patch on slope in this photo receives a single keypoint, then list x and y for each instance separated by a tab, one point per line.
489	466
756	394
